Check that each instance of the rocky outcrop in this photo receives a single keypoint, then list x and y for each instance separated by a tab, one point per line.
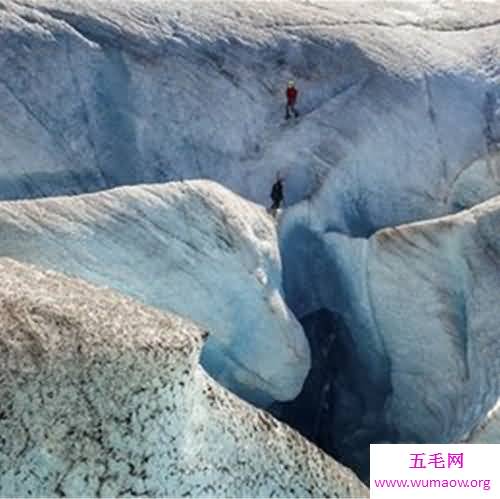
102	396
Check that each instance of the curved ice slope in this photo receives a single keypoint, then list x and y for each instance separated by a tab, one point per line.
421	305
475	183
103	397
193	248
395	100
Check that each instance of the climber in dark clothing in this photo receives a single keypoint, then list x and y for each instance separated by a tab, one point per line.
276	195
291	99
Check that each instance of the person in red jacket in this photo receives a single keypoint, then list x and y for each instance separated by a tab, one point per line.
291	99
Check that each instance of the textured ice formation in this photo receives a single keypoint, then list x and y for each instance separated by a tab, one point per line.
193	248
102	396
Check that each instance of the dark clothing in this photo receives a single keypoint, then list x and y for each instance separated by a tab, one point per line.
291	95
276	196
291	110
274	208
277	192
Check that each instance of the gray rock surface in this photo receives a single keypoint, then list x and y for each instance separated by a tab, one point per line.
102	396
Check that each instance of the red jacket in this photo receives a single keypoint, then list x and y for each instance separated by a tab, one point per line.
291	95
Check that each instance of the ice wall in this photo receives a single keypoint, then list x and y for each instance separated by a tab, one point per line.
420	304
193	248
395	101
102	396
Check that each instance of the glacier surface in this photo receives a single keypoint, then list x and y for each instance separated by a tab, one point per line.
400	123
420	302
193	248
104	397
396	100
489	431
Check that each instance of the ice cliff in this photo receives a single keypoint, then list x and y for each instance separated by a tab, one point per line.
420	302
193	248
397	99
389	247
102	396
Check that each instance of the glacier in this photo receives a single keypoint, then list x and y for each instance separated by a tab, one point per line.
396	101
489	431
193	248
420	302
104	397
387	251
